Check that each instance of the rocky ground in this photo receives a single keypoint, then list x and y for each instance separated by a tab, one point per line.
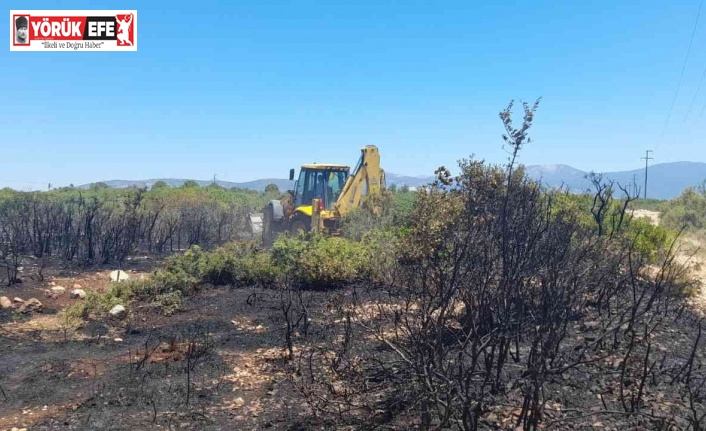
133	372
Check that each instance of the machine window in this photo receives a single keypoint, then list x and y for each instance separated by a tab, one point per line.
336	181
300	187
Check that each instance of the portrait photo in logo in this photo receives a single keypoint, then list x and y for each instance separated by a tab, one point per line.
22	30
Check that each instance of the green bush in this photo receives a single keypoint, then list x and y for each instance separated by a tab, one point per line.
192	262
577	204
240	265
169	303
94	303
649	240
319	261
688	211
163	281
383	248
359	221
396	211
262	269
315	262
403	205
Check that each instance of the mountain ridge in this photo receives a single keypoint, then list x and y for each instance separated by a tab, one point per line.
664	180
257	185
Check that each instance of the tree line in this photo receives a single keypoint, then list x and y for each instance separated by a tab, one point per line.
102	225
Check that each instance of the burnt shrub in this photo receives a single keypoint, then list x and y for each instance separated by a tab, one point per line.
492	277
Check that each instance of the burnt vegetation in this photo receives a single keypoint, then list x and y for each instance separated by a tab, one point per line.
107	226
507	307
481	301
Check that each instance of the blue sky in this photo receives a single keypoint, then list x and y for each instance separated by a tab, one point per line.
248	89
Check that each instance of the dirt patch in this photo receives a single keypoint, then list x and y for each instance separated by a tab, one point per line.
691	254
654	216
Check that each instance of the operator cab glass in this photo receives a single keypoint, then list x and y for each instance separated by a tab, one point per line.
326	184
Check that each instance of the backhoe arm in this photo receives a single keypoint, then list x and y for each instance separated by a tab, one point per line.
366	178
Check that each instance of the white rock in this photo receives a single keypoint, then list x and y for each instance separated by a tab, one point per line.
31	305
119	275
5	302
59	290
78	294
118	311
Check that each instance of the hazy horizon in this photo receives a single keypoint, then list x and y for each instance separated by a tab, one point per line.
284	177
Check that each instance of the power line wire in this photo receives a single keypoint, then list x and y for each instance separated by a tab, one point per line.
683	68
693	100
702	111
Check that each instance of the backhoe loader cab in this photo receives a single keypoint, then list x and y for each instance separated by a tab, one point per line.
323	182
322	194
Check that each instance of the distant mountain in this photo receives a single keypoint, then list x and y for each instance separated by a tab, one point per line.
258	185
400	180
555	175
665	180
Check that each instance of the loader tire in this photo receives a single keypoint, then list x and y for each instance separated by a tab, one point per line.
300	223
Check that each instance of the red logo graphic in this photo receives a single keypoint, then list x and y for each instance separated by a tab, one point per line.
126	32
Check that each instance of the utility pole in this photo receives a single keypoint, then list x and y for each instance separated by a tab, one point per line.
214	179
634	184
647	159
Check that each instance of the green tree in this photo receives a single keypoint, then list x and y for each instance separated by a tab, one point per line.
191	184
160	185
214	186
99	186
272	189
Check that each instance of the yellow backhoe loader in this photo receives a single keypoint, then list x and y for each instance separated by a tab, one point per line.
322	195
